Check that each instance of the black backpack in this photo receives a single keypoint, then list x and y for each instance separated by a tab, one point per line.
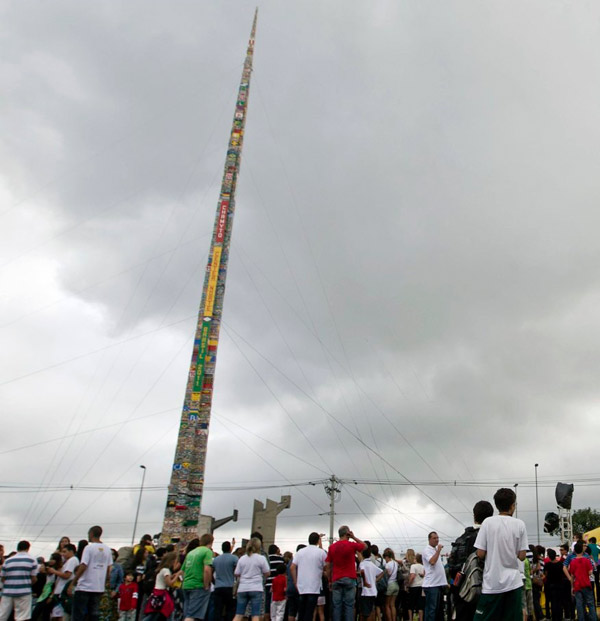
461	549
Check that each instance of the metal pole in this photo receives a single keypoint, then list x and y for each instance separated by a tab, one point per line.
331	508
516	504
537	505
137	513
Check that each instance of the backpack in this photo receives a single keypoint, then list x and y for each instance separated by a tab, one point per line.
471	578
125	558
382	583
461	549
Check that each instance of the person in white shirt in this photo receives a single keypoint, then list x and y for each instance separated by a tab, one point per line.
370	574
307	573
91	577
63	575
435	580
502	543
392	588
251	569
416	601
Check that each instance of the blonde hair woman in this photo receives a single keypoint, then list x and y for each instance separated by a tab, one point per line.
251	569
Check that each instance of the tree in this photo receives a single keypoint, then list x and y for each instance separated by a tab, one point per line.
585	519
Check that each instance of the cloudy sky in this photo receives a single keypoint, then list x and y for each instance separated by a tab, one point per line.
413	283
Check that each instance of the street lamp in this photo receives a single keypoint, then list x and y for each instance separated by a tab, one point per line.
138	505
537	505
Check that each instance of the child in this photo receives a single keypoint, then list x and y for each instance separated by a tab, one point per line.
579	571
278	588
128	597
370	573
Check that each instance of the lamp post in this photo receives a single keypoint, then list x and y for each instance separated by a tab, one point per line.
537	505
137	513
516	503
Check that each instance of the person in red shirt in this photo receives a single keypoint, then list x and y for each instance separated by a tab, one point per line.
340	568
128	597
278	587
579	571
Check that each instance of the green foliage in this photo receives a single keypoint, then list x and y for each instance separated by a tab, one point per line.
585	519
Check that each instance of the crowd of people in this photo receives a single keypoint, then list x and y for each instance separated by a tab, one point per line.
491	572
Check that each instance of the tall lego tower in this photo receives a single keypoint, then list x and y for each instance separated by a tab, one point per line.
187	477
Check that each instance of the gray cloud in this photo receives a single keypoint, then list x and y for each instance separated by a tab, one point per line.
412	269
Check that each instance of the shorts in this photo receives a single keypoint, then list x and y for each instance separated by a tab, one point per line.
392	589
415	598
292	605
21	606
195	602
321	600
366	605
254	599
57	611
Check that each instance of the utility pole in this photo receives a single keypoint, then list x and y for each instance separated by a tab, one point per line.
333	488
537	505
516	502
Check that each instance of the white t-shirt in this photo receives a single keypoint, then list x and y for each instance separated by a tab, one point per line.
392	570
309	562
502	537
98	558
419	571
435	575
251	569
160	578
371	572
70	565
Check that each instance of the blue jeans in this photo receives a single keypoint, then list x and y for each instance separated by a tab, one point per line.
307	605
583	598
342	598
86	603
254	598
433	599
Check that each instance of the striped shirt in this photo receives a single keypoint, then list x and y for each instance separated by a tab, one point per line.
16	573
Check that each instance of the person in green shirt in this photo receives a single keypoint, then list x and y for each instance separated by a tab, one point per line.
197	576
593	552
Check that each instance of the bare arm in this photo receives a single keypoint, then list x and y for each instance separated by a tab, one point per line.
522	555
208	572
171	579
294	574
78	573
481	554
328	571
65	575
365	583
359	541
434	559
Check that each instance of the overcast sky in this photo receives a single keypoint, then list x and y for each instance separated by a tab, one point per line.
413	282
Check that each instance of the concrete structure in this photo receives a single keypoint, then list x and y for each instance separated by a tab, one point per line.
208	524
264	518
